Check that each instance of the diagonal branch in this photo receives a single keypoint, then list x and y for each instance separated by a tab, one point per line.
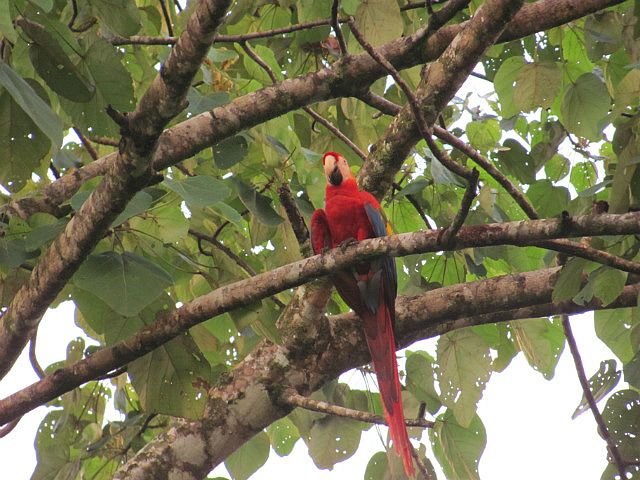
169	324
349	76
129	172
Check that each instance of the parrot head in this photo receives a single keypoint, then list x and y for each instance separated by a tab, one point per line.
336	168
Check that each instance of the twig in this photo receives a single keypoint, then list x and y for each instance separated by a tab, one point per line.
584	383
446	13
74	14
167	18
335	25
421	122
316	116
469	194
112	142
87	144
336	132
421	466
141	430
113	374
298	225
32	356
7	428
148	40
294	399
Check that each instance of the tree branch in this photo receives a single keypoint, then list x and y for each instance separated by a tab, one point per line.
346	77
169	324
129	172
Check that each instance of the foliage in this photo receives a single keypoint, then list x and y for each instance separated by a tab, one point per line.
560	120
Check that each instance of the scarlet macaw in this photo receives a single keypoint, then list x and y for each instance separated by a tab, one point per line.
369	288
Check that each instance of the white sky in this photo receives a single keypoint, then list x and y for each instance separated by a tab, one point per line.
528	419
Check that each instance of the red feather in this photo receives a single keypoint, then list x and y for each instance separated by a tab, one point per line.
370	290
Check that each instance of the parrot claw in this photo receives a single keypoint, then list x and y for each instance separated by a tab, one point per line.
347	243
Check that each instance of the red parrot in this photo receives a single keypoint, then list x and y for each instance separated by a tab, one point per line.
369	288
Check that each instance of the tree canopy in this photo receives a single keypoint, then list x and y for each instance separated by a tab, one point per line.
160	163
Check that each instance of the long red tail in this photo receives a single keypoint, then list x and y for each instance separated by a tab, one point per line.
378	330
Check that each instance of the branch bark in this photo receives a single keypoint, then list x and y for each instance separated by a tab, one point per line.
129	172
349	76
170	324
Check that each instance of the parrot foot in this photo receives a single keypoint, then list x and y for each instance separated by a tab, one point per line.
347	243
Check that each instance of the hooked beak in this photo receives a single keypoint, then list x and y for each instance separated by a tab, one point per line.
335	177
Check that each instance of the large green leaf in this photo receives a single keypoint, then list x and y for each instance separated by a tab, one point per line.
421	379
113	86
127	282
464	362
484	134
230	151
257	204
199	191
622	416
379	21
600	384
53	64
541	340
121	16
6	22
614	328
32	103
537	85
283	436
332	440
504	83
457	448
585	106
245	461
516	161
605	283
22	143
569	280
166	379
549	199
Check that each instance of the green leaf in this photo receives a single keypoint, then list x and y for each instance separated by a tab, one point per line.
230	151
166	222
602	34
32	104
504	83
199	103
516	161
548	199
166	379
569	280
378	467
557	168
585	106
379	21
458	449
113	86
121	16
245	461
332	440
140	202
257	204
622	417
632	371
600	384
608	284
22	144
127	282
583	175
283	436
484	134
12	252
541	340
614	328
199	191
413	187
6	22
421	377
53	64
43	233
465	367
627	92
537	85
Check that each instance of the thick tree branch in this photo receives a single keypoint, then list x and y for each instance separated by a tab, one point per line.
349	76
172	323
129	172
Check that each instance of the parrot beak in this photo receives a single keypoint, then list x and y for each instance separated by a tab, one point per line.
335	177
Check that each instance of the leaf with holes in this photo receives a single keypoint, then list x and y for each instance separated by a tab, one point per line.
600	384
199	191
542	341
465	367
